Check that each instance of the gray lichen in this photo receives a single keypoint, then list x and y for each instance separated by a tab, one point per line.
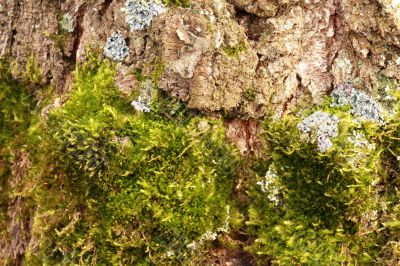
363	106
323	125
359	140
67	23
116	47
362	148
139	14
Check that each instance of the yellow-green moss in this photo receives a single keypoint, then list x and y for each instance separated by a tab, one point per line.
181	3
250	94
115	187
331	203
111	186
235	51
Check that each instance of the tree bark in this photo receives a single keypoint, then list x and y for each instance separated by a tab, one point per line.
287	51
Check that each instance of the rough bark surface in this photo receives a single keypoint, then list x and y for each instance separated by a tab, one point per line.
241	57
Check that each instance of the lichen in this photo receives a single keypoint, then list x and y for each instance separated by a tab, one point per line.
362	105
139	14
270	186
359	140
323	125
116	47
67	23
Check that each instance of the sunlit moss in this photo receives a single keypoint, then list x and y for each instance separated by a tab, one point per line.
18	102
119	187
328	199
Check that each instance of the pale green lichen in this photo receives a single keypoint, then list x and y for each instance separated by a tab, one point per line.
67	23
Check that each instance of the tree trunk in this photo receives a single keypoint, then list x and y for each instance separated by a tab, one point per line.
242	58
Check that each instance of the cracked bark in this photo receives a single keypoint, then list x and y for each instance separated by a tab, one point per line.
283	40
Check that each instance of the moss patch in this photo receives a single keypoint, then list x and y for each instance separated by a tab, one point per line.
115	187
181	3
235	51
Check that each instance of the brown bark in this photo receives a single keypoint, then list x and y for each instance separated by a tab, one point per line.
293	50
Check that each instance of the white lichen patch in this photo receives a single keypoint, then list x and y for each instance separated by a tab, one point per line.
143	102
212	235
359	140
139	14
140	107
322	125
67	23
345	64
116	47
363	106
270	186
362	148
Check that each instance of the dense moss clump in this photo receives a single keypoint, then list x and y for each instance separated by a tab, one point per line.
115	187
98	181
326	207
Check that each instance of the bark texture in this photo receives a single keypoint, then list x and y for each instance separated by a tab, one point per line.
238	56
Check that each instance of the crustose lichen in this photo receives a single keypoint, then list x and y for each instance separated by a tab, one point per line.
139	14
363	106
324	125
270	186
116	47
143	102
67	23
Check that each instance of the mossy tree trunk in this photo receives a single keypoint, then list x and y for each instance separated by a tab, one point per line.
237	57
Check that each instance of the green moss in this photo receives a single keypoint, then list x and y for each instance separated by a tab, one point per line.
32	71
139	75
250	94
158	71
235	51
181	3
18	101
111	186
154	71
325	197
115	187
59	39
